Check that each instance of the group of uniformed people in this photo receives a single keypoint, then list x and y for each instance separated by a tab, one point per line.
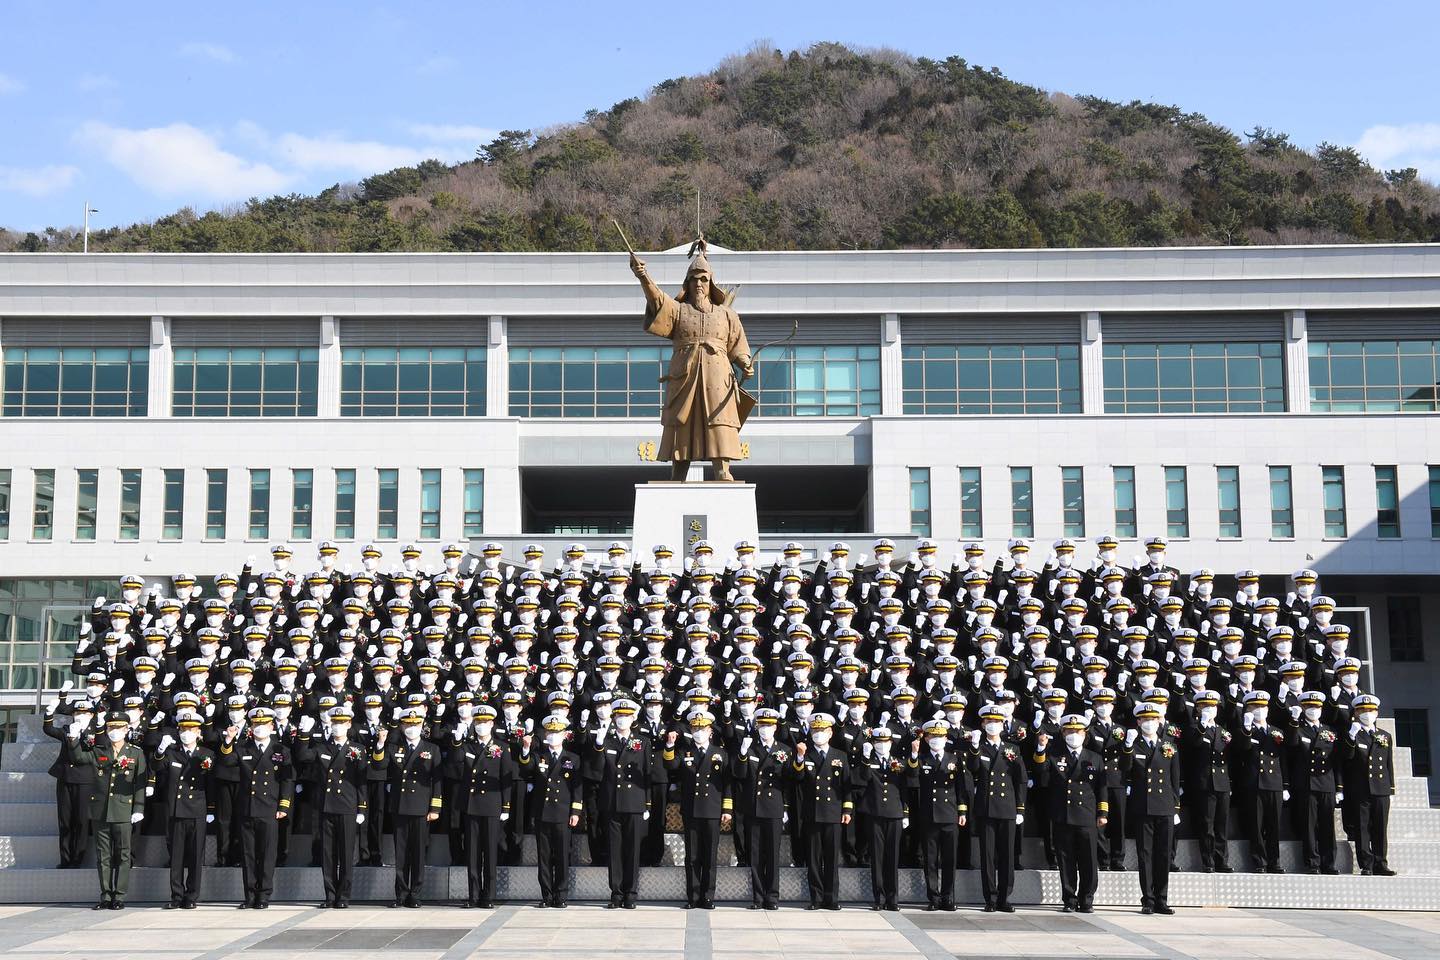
876	711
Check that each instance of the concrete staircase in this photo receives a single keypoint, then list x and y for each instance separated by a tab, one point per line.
29	850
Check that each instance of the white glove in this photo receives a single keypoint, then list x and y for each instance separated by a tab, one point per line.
137	817
504	817
1177	819
149	790
904	823
209	818
359	818
1285	795
165	742
168	679
54	702
866	749
1248	721
745	745
84	643
1354	728
1295	713
974	736
307	723
1019	819
1130	736
1339	796
643	816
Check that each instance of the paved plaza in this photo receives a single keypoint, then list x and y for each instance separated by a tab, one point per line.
670	933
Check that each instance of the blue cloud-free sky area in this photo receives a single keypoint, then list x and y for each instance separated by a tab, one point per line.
144	108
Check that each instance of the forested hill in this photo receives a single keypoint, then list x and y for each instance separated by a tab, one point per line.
833	148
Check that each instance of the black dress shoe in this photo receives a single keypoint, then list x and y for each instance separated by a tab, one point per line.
1330	872
1384	872
812	906
104	904
401	903
341	904
326	905
1005	907
892	906
931	907
948	906
542	905
560	904
413	903
1224	868
755	906
187	904
244	905
263	905
1165	910
1147	910
1067	908
117	904
485	904
988	908
1085	908
628	903
707	904
614	904
172	905
1276	868
771	905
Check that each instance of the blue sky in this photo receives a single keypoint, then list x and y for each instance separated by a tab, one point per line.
143	108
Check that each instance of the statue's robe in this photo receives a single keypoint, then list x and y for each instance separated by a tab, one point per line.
700	417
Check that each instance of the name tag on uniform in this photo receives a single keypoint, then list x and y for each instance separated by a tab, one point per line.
1304	739
610	753
174	764
1142	756
469	756
247	758
984	759
1363	748
325	756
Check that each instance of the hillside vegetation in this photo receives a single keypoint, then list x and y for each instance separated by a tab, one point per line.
835	148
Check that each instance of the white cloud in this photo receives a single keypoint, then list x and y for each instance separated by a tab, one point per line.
182	160
335	153
9	84
37	181
452	133
203	50
1404	145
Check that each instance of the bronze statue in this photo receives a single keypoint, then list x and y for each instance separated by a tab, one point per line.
704	402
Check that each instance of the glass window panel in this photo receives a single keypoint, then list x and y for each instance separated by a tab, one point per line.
345	504
302	503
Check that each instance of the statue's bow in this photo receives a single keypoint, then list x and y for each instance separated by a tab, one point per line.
755	354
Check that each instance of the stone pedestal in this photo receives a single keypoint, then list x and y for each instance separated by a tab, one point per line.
678	514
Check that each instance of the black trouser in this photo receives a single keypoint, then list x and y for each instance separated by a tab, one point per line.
374	826
822	862
854	841
1112	839
337	852
652	847
552	850
624	832
764	844
185	838
702	841
964	860
939	863
227	823
740	837
1210	811
1263	827
1372	828
72	808
1076	849
997	858
883	839
796	830
454	823
1041	826
597	832
482	850
257	855
412	839
112	858
1153	838
1315	812
512	831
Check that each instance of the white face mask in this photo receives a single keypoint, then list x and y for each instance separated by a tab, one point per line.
554	740
701	738
1074	740
1103	710
820	737
1295	684
1312	714
1366	718
188	737
484	730
372	716
1148	727
1246	677
992	729
936	744
341	731
116	735
652	712
412	732
767	734
262	734
1207	714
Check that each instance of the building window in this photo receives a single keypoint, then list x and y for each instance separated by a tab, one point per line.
1282	505
259	504
1412	729
217	484
1125	522
1072	495
920	501
970	523
345	504
302	503
1332	485
430	504
586	381
1194	378
77	381
1435	501
44	517
246	381
174	516
838	381
1008	378
412	382
129	504
1227	489
474	503
1407	645
87	503
1177	503
4	504
1022	502
1387	504
387	520
1373	376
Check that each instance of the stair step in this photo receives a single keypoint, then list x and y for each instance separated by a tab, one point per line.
662	884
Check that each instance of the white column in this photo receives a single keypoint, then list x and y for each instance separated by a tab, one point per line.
1297	362
1092	364
161	401
497	369
891	372
328	376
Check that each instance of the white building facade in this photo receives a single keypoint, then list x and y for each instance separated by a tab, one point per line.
1273	408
